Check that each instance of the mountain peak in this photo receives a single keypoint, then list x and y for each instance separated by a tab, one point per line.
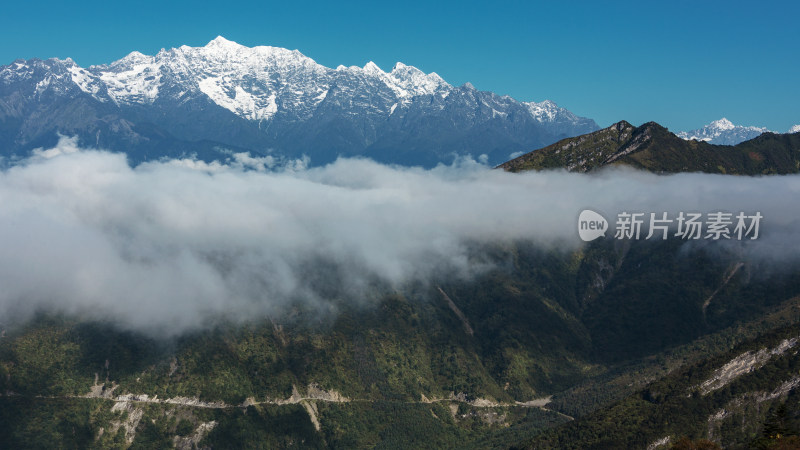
220	41
133	57
587	152
622	124
548	111
723	132
722	124
404	69
373	68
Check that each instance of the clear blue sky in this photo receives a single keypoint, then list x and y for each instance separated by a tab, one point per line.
679	63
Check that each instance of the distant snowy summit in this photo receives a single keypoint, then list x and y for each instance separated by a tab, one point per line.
226	97
724	132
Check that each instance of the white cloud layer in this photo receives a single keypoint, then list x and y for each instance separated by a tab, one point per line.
167	246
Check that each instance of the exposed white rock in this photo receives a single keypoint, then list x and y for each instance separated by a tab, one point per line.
742	364
191	442
663	442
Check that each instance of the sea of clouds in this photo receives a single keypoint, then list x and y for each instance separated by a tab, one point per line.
167	246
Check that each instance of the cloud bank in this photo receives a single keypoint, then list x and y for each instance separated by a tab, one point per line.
168	246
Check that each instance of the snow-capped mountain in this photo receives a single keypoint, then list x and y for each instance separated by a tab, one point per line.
794	129
224	97
250	82
723	132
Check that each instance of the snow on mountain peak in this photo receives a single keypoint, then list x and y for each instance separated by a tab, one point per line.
130	59
795	129
722	132
220	41
256	83
548	111
722	124
417	82
373	68
250	82
274	99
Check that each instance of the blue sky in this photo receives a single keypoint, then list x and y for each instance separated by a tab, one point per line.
679	63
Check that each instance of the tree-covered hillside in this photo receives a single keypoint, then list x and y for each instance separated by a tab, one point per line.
446	363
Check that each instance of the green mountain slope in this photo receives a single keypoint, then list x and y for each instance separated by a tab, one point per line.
743	398
652	147
447	362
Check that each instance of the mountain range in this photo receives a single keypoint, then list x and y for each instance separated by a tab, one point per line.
224	97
